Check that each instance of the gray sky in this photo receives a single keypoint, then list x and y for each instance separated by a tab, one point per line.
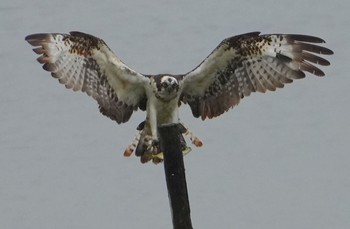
278	160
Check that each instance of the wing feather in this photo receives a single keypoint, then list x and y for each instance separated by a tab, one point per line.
85	63
247	63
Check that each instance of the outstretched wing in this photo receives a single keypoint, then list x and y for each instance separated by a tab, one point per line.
84	62
248	63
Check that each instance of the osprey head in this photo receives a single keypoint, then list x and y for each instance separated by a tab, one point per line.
167	87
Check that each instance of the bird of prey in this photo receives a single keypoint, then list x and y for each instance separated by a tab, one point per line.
238	66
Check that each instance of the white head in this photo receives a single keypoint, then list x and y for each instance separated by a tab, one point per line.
167	87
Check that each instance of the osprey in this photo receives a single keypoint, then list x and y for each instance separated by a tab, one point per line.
238	66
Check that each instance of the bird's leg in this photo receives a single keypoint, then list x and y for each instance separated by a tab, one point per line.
143	142
150	146
154	151
152	141
186	132
131	148
183	131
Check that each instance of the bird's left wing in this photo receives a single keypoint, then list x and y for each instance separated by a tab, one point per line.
85	63
248	63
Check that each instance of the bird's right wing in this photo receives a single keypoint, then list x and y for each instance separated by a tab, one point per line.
85	63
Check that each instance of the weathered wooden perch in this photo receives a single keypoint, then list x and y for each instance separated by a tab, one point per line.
169	136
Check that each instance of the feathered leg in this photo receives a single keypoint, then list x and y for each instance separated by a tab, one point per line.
149	149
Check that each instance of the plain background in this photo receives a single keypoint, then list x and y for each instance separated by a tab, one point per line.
278	160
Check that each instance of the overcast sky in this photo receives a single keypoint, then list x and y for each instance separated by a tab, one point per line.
278	160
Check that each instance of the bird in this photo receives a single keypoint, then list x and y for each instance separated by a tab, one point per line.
238	66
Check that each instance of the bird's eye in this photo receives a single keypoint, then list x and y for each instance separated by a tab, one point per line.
164	85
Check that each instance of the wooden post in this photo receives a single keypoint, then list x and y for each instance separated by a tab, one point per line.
169	137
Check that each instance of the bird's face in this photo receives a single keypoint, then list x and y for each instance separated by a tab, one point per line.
167	87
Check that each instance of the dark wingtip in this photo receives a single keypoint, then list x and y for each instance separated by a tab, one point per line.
300	39
29	37
326	51
329	52
306	38
37	38
32	37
